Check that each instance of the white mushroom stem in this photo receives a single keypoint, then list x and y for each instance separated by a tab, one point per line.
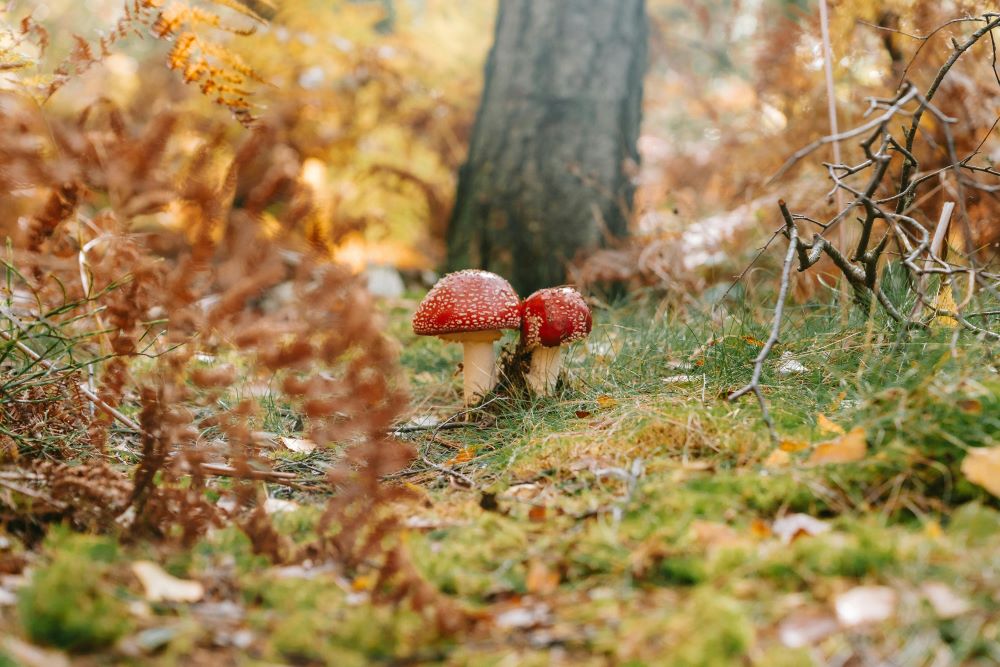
478	363
544	370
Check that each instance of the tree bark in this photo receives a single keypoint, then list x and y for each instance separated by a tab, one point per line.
553	151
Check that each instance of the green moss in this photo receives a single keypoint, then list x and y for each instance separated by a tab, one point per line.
680	570
69	603
713	630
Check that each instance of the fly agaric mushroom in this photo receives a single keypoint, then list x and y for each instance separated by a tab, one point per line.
550	318
470	307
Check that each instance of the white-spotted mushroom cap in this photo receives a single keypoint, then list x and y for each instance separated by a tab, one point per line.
554	316
465	301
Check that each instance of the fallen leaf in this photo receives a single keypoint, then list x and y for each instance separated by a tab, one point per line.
779	458
864	605
789	365
836	404
583	414
423	421
828	427
541	579
300	445
363	582
712	534
522	617
606	401
463	456
981	466
537	513
970	406
792	526
852	446
678	379
788	445
760	529
523	491
163	587
945	602
806	628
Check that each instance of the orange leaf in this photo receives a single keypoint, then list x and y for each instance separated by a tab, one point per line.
779	458
787	445
852	446
982	466
540	578
828	427
537	513
464	456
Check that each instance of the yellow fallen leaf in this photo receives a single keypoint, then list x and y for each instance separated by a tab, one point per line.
364	582
779	458
606	401
982	466
852	446
163	587
826	426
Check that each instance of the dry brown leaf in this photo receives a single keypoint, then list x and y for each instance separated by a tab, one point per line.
970	406
163	587
982	466
852	446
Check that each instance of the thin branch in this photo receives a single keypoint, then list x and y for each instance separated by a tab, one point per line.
779	309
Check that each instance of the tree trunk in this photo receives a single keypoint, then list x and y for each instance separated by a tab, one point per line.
553	152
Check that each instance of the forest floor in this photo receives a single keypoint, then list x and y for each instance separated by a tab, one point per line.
637	517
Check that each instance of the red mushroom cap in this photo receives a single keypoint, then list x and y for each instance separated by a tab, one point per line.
469	300
554	316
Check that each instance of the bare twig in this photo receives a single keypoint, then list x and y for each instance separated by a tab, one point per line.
779	308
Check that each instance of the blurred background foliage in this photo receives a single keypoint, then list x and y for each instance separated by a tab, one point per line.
375	100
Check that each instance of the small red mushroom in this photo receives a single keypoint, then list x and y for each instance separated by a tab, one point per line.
551	318
470	307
